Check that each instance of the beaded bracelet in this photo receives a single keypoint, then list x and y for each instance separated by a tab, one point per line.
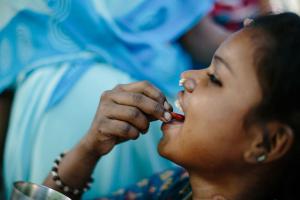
62	185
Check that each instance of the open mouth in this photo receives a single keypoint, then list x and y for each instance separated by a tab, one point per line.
178	117
174	126
176	123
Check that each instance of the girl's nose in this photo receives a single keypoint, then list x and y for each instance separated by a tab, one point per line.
188	80
194	78
189	85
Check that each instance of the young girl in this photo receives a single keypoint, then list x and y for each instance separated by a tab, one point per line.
240	136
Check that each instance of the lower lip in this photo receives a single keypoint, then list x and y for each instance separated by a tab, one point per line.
174	124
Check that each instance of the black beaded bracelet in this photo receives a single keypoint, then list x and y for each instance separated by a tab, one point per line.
62	185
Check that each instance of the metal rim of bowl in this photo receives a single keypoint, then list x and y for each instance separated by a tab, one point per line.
38	186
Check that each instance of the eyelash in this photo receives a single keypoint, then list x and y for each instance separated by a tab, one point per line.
214	79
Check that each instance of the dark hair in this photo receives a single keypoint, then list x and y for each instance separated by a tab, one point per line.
278	68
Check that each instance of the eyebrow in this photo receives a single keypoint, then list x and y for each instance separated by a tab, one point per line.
220	59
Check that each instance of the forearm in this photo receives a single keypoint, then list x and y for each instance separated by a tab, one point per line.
203	40
75	169
115	121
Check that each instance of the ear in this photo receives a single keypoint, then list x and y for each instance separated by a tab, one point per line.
271	142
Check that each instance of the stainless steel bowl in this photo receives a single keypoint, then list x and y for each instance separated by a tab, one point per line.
31	191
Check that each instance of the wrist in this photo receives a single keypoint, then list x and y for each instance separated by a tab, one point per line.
67	189
86	148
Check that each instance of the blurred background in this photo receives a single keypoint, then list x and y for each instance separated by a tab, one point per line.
290	5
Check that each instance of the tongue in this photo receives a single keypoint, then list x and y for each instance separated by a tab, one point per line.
177	116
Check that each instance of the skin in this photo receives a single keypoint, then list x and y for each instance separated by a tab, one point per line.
207	104
215	113
202	51
217	150
213	144
212	36
123	114
189	40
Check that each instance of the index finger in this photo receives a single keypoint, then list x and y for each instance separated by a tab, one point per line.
147	89
142	102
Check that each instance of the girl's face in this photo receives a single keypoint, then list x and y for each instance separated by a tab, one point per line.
213	136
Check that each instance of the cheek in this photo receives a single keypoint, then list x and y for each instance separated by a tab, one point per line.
214	111
211	129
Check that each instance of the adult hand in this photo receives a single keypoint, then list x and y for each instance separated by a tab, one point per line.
123	113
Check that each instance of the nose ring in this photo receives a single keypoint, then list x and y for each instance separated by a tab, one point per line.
181	81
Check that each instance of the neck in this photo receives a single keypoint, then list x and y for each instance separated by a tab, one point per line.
226	187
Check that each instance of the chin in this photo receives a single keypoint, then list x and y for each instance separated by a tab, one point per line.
168	144
165	150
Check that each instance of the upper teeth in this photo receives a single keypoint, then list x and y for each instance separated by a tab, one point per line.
177	104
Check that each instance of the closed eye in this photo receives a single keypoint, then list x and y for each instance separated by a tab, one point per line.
214	79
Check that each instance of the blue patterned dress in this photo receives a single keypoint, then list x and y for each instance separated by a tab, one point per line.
171	184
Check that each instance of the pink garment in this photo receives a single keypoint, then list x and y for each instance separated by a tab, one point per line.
231	13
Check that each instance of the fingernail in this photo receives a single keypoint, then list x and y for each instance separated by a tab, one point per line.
167	106
167	116
181	81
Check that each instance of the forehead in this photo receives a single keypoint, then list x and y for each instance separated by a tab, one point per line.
239	44
240	49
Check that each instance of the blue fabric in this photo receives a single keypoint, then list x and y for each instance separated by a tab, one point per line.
171	184
130	42
48	52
